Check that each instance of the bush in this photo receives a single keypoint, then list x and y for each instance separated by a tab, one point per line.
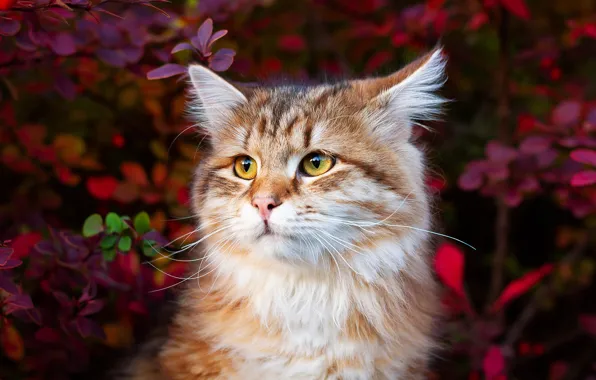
91	110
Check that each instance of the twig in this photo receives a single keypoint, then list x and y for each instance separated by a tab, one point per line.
503	212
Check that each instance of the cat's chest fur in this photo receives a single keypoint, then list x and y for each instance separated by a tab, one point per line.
267	326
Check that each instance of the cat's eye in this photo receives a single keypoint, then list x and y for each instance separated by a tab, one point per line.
316	164
245	167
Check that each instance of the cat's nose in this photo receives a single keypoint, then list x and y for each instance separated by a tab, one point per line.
265	205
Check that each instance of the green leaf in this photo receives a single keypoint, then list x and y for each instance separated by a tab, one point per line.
142	223
109	254
125	244
108	241
126	222
149	249
113	223
93	225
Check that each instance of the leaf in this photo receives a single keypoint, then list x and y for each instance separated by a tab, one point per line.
88	328
181	47
93	225
20	301
584	178
109	254
566	113
222	60
9	27
142	223
102	187
204	34
493	363
125	244
65	86
159	174
535	144
498	152
588	323
48	335
92	307
149	249
63	44
113	223
520	286
126	192
585	156
7	285
216	36
108	241
449	266
166	71
134	173
517	7
11	342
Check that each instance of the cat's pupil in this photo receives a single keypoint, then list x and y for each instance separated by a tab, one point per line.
316	161
246	164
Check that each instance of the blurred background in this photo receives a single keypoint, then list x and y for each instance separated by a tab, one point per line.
96	158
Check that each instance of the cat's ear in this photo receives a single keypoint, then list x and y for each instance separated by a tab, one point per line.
214	98
406	97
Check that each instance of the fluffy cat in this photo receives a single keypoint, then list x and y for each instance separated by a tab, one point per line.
314	214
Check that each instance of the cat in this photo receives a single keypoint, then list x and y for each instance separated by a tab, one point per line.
313	209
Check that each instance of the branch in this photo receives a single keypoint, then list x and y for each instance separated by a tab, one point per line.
503	211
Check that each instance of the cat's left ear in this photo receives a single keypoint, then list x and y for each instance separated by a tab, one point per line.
398	101
215	98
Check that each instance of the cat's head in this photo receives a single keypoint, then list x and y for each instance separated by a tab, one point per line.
313	174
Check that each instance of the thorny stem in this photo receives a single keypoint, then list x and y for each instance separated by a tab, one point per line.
504	135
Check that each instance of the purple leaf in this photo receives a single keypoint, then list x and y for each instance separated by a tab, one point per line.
9	27
63	44
7	285
585	156
92	307
88	328
132	54
29	315
498	152
112	57
535	144
566	113
10	264
470	180
155	236
166	71
216	36
181	46
5	253
222	60
23	41
585	178
20	301
89	292
204	34
65	86
109	36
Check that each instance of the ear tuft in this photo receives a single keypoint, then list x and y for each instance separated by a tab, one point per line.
214	98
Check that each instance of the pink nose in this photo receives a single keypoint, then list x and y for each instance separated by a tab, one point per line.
265	205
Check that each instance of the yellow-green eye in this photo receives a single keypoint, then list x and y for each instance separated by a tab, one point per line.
245	167
316	164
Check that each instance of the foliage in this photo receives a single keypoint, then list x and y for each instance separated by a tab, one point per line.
519	137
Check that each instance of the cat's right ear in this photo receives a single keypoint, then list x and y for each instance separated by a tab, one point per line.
214	98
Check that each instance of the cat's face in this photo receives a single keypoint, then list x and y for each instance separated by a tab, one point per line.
313	174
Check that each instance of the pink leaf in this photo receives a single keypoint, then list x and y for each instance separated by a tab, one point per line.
585	178
92	307
585	156
588	323
498	152
520	286
449	265
517	7
567	113
535	144
493	363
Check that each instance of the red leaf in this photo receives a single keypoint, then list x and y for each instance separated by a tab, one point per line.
134	173
517	7
585	156
435	4
477	21
493	363
291	43
520	286
588	323
585	178
22	244
102	187
449	265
